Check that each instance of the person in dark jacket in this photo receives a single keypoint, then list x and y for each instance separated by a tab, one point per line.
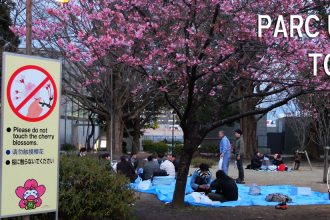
149	168
277	160
239	152
126	168
225	188
173	159
297	159
256	161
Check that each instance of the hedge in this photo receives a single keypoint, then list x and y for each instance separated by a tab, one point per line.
89	189
154	147
198	160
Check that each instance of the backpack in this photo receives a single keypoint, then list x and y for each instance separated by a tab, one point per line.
281	167
278	197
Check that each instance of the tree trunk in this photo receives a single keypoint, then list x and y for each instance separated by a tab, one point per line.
313	151
249	123
189	147
90	135
108	135
136	143
312	147
249	128
136	137
118	132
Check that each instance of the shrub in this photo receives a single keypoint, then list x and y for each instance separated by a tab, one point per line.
89	189
147	145
178	149
198	160
157	147
68	147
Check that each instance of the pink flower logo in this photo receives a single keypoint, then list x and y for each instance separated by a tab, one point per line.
30	194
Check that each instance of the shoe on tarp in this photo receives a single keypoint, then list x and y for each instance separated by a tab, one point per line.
282	206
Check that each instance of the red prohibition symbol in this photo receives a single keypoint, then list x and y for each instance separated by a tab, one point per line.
31	93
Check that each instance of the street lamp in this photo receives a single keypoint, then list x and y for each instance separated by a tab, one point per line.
173	114
28	27
63	2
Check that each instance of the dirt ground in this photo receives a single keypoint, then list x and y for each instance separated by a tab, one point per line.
149	207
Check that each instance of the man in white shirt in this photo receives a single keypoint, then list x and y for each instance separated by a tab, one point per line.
168	166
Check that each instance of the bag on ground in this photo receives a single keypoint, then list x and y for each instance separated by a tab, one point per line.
254	190
278	197
144	185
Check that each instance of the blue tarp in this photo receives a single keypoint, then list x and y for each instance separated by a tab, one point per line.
165	194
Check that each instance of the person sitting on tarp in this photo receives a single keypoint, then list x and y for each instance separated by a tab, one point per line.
265	162
172	158
149	168
277	160
256	161
201	179
225	188
168	166
126	168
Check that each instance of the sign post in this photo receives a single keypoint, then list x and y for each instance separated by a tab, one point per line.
29	143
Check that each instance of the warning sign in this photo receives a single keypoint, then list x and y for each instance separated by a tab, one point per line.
32	93
29	135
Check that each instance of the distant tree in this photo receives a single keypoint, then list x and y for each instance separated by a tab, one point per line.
300	123
8	40
93	77
318	106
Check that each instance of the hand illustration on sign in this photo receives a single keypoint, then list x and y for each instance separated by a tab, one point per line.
31	93
35	107
30	194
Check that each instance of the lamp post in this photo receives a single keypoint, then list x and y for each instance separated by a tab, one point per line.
29	27
28	43
326	163
173	114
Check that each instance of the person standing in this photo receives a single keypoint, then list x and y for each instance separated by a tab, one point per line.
239	152
224	151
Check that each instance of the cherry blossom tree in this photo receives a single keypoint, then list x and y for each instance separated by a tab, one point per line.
197	53
93	78
207	53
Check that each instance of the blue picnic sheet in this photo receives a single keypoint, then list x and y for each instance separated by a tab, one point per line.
165	194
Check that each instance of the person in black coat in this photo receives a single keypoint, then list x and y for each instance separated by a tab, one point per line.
278	160
225	188
256	161
126	168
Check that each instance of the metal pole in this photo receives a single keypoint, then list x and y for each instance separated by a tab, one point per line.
29	27
309	161
65	118
172	132
28	43
111	117
326	163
